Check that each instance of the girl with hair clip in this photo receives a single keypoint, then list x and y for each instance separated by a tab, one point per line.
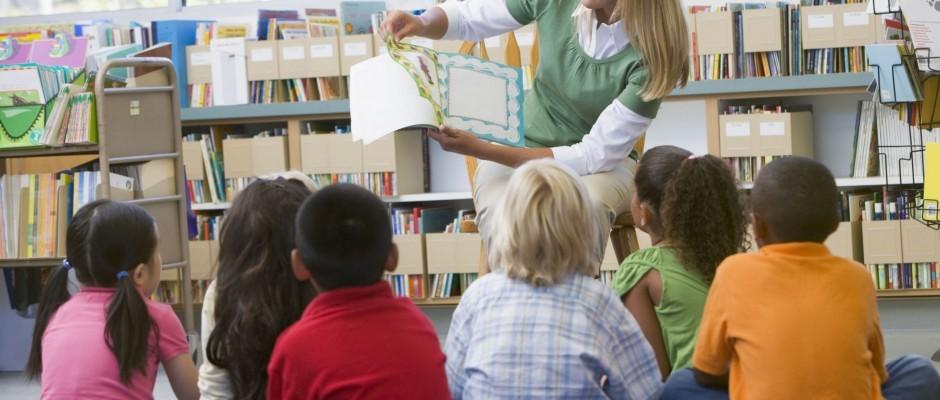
691	209
255	295
105	342
603	68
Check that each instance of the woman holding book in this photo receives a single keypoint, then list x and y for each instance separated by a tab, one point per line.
604	66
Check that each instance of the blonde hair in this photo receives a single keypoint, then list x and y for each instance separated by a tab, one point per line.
544	227
295	176
658	30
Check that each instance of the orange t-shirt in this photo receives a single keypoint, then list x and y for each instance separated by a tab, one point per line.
793	322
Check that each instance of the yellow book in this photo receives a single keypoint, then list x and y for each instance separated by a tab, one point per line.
931	182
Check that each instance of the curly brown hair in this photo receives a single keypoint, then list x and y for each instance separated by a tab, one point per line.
697	202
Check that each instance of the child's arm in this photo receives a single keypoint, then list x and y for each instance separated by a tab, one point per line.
182	375
713	347
641	300
709	380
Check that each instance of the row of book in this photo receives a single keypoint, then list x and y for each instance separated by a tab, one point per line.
451	285
171	291
757	39
889	141
35	209
418	220
407	285
208	227
745	169
905	276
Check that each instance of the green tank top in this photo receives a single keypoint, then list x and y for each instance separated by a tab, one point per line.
571	89
684	293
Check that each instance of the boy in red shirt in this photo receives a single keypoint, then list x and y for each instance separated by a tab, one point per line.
356	340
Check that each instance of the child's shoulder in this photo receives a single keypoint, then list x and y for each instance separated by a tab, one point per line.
651	256
160	312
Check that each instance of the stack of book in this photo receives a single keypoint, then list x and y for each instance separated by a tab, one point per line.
208	227
745	169
42	107
889	141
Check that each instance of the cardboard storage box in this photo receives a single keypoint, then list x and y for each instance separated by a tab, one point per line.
881	242
453	252
261	60
198	65
846	241
777	134
353	50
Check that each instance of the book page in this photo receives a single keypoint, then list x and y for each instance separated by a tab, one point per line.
482	97
383	98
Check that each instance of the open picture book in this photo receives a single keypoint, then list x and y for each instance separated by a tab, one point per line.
416	87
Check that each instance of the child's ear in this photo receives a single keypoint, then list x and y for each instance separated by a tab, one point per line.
646	214
391	262
139	275
758	229
298	267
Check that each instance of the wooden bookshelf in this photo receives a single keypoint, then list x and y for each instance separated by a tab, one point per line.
437	302
330	109
872	181
49	151
908	293
39	262
796	85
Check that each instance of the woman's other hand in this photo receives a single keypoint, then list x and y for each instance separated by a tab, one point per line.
400	25
458	141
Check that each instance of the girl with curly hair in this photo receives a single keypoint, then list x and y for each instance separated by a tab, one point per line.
691	209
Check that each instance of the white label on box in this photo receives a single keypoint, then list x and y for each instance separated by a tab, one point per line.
525	38
737	129
820	21
423	42
201	58
262	55
855	18
492	42
354	49
293	53
775	128
321	50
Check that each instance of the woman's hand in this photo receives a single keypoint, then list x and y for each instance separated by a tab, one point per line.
458	141
400	25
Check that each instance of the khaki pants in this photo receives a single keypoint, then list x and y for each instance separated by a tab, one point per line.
610	192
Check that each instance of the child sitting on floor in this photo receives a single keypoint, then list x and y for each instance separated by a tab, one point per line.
355	340
540	326
794	321
690	207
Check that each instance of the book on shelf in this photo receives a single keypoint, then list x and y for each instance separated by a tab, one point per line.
905	276
180	34
413	86
924	20
357	15
889	142
32	112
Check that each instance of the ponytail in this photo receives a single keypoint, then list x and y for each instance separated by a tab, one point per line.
702	214
121	238
56	293
128	328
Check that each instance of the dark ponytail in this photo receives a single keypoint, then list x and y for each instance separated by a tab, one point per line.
56	293
123	236
702	212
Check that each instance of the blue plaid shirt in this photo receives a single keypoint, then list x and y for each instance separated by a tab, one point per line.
574	340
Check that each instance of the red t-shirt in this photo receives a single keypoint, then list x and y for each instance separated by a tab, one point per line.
359	343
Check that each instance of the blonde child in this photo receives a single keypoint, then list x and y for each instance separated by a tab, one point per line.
540	325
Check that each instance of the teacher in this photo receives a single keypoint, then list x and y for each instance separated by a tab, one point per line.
604	66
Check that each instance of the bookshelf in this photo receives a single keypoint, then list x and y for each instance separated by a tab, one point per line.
152	139
797	85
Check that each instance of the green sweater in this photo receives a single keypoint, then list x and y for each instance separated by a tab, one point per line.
571	88
680	309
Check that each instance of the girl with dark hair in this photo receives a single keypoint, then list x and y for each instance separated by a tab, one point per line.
255	295
691	208
106	341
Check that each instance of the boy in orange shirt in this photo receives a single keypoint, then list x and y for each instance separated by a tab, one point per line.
793	321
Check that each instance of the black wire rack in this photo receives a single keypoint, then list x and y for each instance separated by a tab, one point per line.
910	155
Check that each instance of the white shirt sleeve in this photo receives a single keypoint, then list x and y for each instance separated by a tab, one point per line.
609	143
478	19
213	382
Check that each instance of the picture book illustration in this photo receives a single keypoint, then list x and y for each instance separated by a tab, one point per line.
413	86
